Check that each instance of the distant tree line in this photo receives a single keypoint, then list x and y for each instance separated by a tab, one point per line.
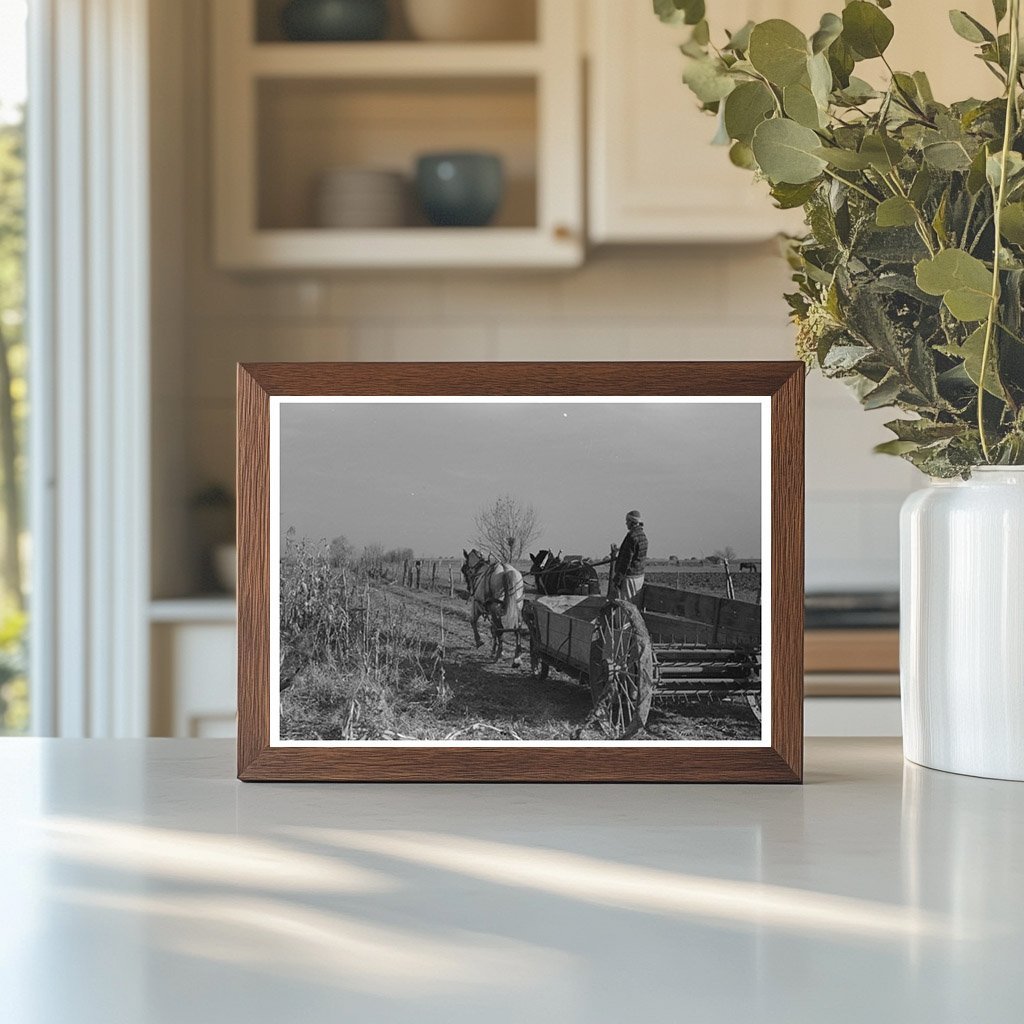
373	560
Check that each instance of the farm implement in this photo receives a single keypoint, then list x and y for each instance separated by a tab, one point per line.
675	645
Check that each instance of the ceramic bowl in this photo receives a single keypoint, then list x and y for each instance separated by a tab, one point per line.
460	189
334	20
357	197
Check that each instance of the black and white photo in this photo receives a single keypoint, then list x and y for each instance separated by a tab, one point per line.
537	571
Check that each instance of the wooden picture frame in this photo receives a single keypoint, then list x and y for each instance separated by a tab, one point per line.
778	757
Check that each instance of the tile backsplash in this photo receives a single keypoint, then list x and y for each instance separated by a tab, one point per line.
718	302
698	302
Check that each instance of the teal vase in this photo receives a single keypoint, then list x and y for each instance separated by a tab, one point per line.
334	21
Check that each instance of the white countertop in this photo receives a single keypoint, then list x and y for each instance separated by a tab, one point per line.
143	885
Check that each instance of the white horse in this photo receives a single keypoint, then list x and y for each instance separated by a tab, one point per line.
496	590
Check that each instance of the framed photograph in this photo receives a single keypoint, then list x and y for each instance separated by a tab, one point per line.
518	572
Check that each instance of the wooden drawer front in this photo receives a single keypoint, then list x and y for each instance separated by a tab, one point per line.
852	650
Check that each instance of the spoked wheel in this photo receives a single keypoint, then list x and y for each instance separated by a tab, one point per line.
621	669
754	703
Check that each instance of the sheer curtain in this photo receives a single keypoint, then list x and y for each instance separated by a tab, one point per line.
88	300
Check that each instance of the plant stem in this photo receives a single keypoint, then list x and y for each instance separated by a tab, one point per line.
993	309
856	188
922	225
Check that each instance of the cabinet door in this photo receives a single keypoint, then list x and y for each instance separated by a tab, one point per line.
654	177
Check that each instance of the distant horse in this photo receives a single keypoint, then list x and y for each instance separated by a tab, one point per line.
553	574
496	590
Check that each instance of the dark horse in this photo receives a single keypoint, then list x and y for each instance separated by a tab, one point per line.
553	574
496	590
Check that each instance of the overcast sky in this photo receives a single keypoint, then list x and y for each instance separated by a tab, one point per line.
412	475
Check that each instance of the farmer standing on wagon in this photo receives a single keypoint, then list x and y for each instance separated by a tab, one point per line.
631	561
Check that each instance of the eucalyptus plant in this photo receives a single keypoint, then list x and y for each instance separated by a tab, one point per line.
910	278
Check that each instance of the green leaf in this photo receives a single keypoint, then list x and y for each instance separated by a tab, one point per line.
883	153
1014	169
739	41
922	185
708	80
896	212
971	352
789	197
844	159
924	87
820	76
746	107
841	60
884	395
830	29
939	220
801	106
676	12
866	29
858	91
785	152
741	155
947	156
963	281
976	174
778	50
896	447
1012	226
969	28
923	431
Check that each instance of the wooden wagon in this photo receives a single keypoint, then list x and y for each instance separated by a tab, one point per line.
677	645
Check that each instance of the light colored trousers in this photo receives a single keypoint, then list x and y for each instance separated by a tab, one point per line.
629	589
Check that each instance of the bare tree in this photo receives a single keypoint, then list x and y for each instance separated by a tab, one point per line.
506	526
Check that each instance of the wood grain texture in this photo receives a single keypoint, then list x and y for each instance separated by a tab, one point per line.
781	762
852	650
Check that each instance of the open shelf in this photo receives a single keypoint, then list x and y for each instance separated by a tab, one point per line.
393	60
287	113
308	127
520	17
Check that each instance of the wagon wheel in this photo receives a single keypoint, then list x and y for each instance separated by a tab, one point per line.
754	702
621	669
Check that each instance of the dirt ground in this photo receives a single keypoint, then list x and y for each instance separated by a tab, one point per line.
488	698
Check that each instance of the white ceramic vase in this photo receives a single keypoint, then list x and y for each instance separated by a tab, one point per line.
962	624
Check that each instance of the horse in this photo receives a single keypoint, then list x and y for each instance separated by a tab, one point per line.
554	574
496	590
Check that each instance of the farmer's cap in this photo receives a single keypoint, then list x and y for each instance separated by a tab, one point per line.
633	516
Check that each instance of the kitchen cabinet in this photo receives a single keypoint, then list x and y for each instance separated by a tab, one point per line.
653	175
192	649
286	113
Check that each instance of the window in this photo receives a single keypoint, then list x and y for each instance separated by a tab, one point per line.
14	548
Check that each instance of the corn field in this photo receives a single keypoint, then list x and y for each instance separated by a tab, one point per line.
350	657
